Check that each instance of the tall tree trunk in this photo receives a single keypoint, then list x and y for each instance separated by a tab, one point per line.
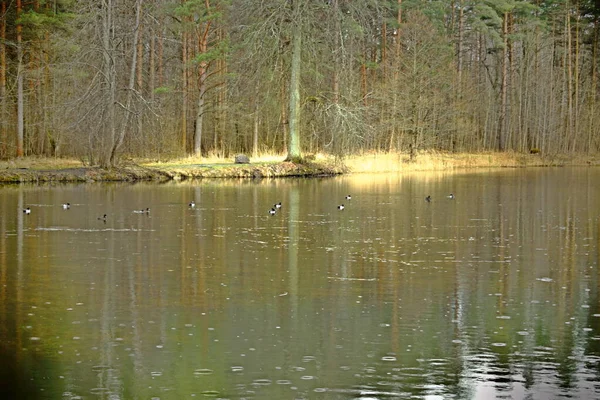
184	90
199	118
47	91
218	140
336	47
459	45
538	99
396	75
569	60
383	112
523	102
594	89
35	93
160	52
363	79
294	95
3	100
384	60
509	137
284	119
131	87
502	123
255	128
110	80
139	77
459	69
399	22
140	82
20	104
202	75
152	65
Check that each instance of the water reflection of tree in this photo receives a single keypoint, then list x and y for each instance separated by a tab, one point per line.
433	286
292	250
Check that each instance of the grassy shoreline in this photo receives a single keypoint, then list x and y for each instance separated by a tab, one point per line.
40	170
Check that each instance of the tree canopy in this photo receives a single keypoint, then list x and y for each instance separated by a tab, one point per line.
159	79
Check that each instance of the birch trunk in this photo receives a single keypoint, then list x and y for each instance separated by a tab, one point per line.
294	95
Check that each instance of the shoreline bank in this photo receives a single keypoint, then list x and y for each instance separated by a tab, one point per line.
37	170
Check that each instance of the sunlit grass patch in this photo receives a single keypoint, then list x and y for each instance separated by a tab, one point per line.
435	161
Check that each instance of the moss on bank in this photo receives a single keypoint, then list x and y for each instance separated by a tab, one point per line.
133	172
254	170
83	174
34	170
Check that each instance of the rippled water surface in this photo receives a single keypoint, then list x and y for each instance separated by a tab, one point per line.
491	295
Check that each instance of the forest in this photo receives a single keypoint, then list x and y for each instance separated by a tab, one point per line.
100	80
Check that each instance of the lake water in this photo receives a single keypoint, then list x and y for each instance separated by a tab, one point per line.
491	295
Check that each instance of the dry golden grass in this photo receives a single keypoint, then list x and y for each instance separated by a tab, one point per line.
439	161
429	161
